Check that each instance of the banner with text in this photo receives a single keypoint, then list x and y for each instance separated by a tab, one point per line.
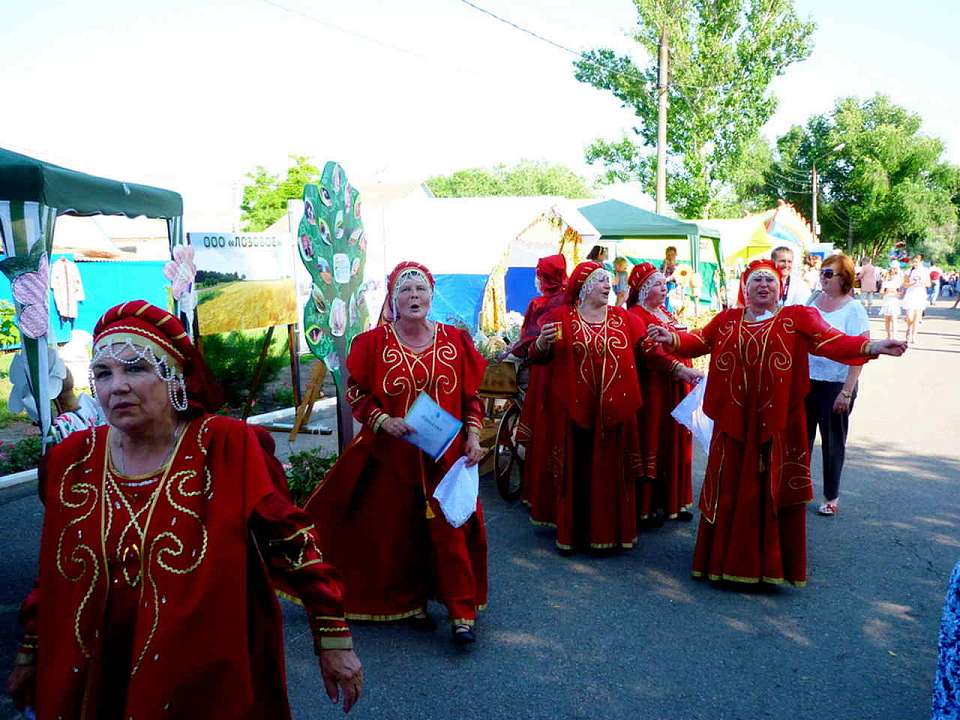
244	280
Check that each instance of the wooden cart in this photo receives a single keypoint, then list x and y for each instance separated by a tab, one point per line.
503	395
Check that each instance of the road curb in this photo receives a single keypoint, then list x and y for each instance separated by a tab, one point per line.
16	479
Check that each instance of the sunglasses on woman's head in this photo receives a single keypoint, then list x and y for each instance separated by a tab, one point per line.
827	273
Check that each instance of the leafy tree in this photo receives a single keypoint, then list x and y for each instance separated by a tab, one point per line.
881	180
525	178
723	56
746	190
265	198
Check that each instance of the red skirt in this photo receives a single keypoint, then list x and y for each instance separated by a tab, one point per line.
590	481
667	451
392	553
537	490
750	540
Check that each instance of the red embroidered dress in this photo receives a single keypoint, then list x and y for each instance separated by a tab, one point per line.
153	599
757	482
378	519
590	426
552	272
666	446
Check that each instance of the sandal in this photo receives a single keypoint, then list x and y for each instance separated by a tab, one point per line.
463	634
829	508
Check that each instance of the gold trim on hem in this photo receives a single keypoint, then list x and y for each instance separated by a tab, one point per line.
542	523
385	618
747	580
599	546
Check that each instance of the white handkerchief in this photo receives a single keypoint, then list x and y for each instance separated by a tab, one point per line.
457	492
689	413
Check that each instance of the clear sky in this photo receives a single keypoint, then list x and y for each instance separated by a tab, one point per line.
191	94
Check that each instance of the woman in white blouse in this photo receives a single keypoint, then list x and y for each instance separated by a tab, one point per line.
833	385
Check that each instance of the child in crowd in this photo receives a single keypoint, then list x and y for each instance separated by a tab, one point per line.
620	285
890	298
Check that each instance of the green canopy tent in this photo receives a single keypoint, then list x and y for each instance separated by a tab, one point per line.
626	224
32	195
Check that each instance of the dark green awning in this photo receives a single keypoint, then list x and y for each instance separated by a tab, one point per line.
26	179
614	219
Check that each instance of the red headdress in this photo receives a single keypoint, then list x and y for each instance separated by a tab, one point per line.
639	277
156	335
552	274
762	265
578	278
400	273
640	274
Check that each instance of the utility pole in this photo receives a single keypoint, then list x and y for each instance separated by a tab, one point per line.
816	225
662	76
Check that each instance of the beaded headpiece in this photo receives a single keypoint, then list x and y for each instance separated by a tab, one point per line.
762	267
582	280
642	278
407	270
137	331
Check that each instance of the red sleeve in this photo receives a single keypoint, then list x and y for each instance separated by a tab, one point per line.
653	353
829	342
534	353
530	330
474	365
289	544
30	607
29	612
699	342
361	364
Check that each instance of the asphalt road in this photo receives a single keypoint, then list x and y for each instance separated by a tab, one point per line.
632	636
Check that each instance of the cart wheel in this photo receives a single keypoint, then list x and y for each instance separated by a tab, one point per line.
507	465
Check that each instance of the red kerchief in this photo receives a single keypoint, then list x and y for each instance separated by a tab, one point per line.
640	274
578	277
757	265
552	271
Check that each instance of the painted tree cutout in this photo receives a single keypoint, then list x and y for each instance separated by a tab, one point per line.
332	246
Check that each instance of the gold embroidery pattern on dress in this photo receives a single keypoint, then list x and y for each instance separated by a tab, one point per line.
157	552
725	360
445	378
616	339
395	381
113	494
579	346
81	555
300	549
781	361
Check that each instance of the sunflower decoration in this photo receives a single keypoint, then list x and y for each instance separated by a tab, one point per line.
684	275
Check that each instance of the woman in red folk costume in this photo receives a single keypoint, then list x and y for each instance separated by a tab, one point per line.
757	482
666	447
590	421
551	280
376	508
161	532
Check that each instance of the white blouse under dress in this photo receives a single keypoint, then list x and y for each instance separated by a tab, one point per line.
851	319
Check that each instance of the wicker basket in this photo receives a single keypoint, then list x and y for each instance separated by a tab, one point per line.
499	380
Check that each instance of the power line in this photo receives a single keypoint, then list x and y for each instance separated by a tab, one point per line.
367	38
512	24
634	74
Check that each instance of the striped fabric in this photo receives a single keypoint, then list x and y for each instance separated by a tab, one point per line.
26	231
